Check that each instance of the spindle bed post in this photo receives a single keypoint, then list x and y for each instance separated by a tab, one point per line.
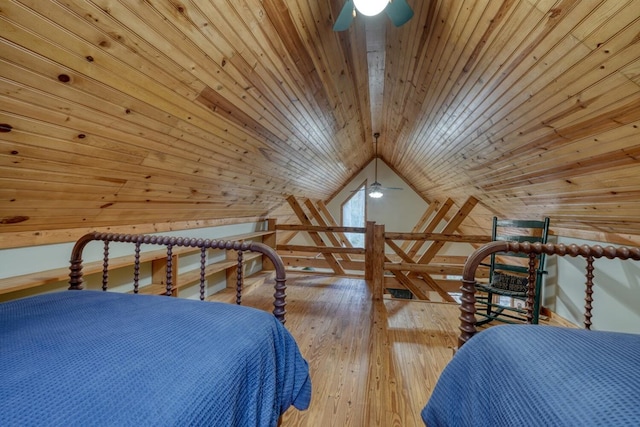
169	280
239	279
203	266
105	266
588	293
136	269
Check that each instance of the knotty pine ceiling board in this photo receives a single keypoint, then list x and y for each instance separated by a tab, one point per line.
118	112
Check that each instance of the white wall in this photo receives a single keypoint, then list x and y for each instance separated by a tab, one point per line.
19	261
398	210
616	298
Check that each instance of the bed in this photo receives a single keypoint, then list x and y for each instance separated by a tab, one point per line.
534	375
106	358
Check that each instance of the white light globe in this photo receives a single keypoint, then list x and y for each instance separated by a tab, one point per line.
370	7
376	194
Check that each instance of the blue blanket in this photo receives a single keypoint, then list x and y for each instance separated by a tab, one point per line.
530	375
100	358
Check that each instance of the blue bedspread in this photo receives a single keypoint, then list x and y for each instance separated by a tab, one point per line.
530	375
100	358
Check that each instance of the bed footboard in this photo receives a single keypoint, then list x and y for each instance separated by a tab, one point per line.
590	253
76	281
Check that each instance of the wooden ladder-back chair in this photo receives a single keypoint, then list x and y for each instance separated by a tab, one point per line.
510	275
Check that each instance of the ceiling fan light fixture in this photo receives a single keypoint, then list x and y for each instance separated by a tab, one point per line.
370	7
375	190
375	194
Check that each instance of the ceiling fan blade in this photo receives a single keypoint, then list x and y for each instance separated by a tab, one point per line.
399	12
391	188
345	18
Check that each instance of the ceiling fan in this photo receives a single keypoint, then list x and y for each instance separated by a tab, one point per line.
375	189
398	11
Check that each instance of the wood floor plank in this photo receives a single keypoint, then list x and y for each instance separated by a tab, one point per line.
372	362
401	355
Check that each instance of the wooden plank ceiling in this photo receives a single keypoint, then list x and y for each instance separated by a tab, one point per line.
138	112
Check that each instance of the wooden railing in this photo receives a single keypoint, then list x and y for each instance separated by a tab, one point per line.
422	265
335	257
416	264
403	265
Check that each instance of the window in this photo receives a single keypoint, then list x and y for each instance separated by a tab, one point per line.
353	215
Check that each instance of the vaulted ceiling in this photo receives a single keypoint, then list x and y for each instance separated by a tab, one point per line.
136	112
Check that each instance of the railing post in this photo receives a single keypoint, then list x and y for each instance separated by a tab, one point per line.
378	262
368	248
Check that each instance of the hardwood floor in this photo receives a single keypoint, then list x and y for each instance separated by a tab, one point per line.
372	363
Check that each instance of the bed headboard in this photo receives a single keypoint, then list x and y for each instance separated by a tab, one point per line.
590	253
76	281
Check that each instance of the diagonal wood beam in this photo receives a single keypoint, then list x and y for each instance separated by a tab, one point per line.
433	207
401	276
408	283
424	275
398	250
439	216
331	220
434	285
435	246
451	227
315	236
288	236
330	235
